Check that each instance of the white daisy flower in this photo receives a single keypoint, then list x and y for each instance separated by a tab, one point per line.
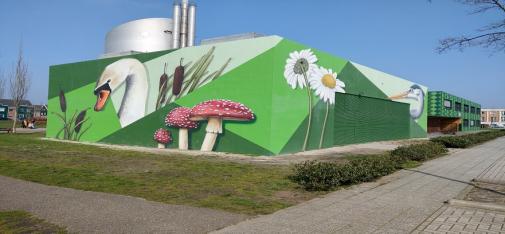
325	83
299	66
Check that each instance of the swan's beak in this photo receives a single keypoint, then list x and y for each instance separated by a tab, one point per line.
399	96
102	97
102	94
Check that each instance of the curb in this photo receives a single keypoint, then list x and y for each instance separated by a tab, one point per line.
479	205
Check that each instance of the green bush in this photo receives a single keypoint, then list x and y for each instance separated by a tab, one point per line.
314	175
452	141
418	152
468	140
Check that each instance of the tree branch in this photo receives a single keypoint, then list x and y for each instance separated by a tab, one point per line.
491	39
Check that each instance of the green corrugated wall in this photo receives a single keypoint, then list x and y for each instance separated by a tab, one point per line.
363	119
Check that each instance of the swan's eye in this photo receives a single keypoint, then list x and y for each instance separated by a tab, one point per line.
108	81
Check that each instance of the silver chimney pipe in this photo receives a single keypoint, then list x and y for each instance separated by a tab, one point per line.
176	32
184	23
191	24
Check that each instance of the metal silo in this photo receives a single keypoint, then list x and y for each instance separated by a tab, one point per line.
176	32
184	23
191	24
144	35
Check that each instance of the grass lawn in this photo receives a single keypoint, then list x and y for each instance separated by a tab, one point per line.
175	179
22	222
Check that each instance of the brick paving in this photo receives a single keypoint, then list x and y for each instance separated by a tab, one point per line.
452	219
494	174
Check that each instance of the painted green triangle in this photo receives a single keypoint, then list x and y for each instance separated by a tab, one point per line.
100	123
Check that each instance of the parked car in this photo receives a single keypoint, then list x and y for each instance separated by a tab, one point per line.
496	126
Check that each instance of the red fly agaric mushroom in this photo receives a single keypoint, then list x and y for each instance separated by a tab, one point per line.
162	136
215	111
179	118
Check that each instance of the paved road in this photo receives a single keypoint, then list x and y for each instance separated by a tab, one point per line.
92	212
396	207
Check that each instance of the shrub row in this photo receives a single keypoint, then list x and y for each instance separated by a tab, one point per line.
468	140
322	176
418	152
314	175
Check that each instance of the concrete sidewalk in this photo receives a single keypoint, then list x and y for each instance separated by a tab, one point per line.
396	207
92	212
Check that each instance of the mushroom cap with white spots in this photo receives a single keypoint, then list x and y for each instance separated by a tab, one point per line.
162	136
179	118
223	109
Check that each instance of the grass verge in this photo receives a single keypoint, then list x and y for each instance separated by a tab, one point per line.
174	179
14	222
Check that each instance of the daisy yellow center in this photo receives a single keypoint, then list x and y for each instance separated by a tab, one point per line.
329	81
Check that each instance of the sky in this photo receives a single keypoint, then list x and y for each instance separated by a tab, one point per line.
395	36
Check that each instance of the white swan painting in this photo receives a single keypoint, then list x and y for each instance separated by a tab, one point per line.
416	93
133	75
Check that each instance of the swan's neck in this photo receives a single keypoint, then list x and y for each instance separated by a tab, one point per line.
133	105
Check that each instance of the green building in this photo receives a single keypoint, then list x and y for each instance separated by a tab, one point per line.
448	113
301	98
4	111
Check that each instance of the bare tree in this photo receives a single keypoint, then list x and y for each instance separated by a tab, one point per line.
490	36
2	84
19	81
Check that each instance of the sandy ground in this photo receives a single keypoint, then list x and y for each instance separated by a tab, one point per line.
322	154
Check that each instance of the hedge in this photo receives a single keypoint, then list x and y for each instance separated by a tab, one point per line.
468	140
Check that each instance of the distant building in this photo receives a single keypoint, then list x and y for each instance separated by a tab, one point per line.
492	116
25	109
448	113
40	111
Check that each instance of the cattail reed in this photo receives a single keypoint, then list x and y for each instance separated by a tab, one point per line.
63	101
178	79
79	121
163	85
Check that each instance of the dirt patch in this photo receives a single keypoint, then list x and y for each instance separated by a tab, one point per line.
484	192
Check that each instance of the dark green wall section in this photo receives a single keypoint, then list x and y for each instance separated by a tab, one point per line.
356	119
363	119
141	133
75	75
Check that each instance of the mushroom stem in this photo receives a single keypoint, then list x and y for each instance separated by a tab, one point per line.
183	138
214	127
209	141
161	146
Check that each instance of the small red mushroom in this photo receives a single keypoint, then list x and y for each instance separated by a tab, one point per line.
215	111
179	118
162	136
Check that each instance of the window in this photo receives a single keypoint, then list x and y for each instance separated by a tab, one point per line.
472	110
2	109
478	111
466	109
472	123
447	104
457	106
503	118
465	123
478	123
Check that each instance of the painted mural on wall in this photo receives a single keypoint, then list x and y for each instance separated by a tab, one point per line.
203	97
